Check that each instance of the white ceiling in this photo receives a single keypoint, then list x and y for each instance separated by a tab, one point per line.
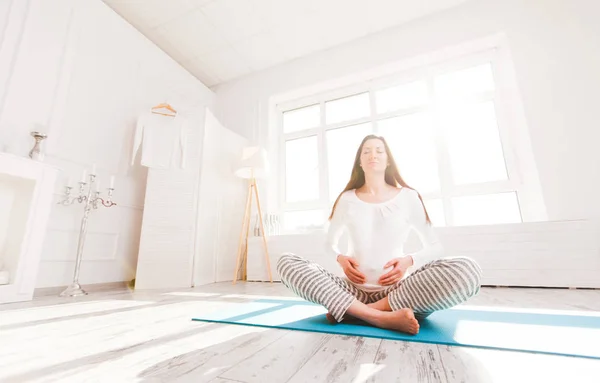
220	40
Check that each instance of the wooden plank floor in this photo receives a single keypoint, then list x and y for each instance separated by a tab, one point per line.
120	335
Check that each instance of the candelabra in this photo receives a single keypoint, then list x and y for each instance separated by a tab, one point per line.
91	200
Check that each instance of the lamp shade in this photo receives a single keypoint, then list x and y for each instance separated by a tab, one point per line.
253	163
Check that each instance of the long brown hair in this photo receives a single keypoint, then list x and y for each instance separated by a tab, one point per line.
392	175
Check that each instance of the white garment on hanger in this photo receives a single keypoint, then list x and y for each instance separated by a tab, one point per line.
163	140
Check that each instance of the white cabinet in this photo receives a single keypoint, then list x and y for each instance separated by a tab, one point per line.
26	196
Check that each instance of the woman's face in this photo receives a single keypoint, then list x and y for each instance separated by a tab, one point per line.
373	157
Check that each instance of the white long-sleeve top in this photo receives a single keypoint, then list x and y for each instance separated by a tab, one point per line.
163	140
377	232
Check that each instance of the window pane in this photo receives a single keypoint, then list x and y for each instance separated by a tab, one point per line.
473	142
304	220
465	82
342	145
403	96
486	209
302	169
347	108
435	209
411	141
300	119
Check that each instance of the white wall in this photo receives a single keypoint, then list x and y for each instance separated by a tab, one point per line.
556	52
77	68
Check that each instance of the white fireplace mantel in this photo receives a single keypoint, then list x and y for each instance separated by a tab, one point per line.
26	195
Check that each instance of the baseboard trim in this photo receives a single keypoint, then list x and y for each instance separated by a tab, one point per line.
94	287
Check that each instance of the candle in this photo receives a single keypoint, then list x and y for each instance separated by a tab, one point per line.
98	185
70	182
112	182
84	175
94	169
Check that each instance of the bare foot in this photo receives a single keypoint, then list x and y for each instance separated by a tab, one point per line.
402	320
330	319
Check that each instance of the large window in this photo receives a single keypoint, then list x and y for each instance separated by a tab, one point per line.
447	130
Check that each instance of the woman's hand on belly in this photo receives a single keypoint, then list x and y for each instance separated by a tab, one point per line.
350	267
400	265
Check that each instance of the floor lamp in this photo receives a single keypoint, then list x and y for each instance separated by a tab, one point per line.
253	165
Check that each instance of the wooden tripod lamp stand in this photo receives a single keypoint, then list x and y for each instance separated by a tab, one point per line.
254	165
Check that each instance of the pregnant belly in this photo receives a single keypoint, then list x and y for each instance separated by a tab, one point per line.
373	273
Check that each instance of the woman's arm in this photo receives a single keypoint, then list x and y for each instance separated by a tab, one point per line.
336	229
432	247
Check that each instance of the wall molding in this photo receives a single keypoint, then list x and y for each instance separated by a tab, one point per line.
64	75
64	246
94	287
6	19
8	59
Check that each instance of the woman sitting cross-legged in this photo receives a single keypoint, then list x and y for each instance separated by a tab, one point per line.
383	286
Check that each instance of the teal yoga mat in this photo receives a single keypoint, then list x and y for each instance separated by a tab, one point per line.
551	332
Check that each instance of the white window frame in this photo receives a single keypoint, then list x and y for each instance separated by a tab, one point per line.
511	126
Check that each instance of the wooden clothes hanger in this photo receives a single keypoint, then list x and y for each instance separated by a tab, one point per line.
166	106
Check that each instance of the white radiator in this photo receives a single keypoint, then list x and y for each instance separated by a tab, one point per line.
548	254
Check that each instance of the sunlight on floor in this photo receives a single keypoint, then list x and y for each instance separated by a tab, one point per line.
567	340
153	338
192	294
271	297
101	334
283	315
34	314
531	310
132	364
501	367
236	310
367	370
216	370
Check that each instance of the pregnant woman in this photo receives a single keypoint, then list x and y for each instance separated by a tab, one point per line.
383	286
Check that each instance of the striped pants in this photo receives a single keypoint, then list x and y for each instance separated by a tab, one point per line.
437	285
